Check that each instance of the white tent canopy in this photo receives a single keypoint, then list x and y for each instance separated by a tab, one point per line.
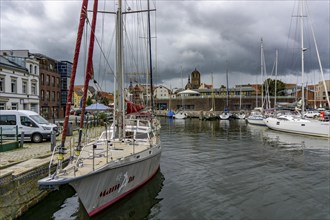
188	92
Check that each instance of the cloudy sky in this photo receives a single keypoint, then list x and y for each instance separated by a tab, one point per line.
212	36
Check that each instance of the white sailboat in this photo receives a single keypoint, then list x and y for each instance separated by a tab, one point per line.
241	114
122	159
256	117
181	114
301	125
225	115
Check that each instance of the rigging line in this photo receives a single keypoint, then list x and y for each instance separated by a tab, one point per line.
106	58
156	48
102	52
320	64
102	39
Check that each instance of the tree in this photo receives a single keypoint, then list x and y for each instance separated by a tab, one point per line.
89	101
105	101
270	84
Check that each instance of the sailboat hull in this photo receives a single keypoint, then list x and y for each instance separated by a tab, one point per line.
256	121
103	189
306	127
105	186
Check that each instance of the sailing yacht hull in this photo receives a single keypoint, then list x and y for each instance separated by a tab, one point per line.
225	116
306	127
256	121
102	188
180	115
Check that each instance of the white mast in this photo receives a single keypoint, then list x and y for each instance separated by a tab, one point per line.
276	62
261	72
120	71
302	58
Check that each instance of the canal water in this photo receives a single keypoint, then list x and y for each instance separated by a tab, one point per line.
220	170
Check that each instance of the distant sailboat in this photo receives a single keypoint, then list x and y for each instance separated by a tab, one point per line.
181	114
256	117
211	115
225	115
241	114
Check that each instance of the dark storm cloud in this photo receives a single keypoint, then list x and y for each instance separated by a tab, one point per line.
212	36
216	35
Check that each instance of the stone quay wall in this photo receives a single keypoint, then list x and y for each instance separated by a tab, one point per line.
19	189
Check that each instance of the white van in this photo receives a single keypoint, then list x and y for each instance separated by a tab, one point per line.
35	127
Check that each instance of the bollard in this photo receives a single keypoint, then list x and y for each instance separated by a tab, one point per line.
21	141
52	141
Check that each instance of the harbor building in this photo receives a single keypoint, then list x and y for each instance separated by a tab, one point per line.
19	83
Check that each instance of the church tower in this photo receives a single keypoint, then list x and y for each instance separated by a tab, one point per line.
195	79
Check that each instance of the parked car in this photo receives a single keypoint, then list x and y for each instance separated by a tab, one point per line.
34	127
312	114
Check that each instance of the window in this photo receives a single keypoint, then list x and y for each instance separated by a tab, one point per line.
25	121
13	85
42	79
34	88
24	87
47	96
2	83
7	119
53	80
53	96
34	107
2	106
47	80
57	82
14	106
42	95
35	70
58	96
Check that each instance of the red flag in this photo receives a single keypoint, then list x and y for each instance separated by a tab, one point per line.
132	108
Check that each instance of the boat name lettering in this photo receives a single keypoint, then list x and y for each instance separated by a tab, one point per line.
114	188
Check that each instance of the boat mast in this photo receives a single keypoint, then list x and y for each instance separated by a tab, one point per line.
261	72
213	101
89	68
119	69
321	69
302	58
240	96
227	88
276	62
150	61
83	14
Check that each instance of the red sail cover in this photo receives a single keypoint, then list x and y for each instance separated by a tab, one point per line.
132	108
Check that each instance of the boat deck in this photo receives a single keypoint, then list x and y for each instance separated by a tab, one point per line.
92	158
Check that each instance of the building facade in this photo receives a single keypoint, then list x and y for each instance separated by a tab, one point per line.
64	68
161	92
19	83
50	90
320	94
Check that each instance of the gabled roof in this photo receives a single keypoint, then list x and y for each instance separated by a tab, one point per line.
91	89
